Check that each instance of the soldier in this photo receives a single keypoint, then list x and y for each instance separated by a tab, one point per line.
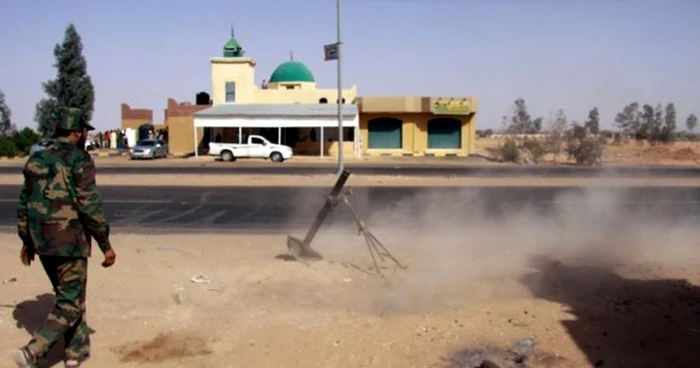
60	211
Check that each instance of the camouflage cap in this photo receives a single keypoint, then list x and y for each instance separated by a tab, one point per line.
72	118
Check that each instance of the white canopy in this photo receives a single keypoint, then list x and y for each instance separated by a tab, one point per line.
274	121
280	116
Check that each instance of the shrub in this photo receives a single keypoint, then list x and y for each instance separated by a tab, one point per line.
18	143
8	147
509	151
24	139
535	149
584	148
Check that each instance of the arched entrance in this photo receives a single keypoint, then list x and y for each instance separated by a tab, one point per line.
384	133
444	133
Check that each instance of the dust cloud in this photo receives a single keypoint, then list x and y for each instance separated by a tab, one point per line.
450	239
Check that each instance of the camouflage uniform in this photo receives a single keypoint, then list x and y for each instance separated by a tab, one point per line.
60	210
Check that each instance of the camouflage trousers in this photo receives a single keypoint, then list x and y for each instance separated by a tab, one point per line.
69	280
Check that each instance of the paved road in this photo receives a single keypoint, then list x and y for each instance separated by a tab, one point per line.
412	170
289	208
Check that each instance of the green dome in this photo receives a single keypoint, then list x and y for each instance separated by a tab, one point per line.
292	71
233	49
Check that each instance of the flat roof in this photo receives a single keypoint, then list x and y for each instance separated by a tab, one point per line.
312	110
417	104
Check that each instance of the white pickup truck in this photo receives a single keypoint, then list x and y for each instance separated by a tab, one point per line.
257	147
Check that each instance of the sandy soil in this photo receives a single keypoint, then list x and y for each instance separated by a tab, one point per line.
166	180
565	298
632	153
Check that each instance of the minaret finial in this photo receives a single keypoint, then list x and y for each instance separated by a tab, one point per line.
233	33
291	55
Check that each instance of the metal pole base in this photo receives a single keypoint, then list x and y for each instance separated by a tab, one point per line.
300	250
375	247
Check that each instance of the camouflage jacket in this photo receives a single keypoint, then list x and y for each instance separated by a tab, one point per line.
60	208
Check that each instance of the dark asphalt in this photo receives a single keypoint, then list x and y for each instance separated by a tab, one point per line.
284	209
413	170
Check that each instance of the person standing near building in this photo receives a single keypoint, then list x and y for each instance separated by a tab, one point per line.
59	212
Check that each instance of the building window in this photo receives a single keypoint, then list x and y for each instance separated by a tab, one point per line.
343	99
290	87
230	91
323	100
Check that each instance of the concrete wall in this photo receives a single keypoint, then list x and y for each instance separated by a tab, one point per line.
180	122
425	104
242	71
239	70
134	118
308	94
415	113
329	148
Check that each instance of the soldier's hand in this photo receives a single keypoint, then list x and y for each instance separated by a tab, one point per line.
110	258
26	255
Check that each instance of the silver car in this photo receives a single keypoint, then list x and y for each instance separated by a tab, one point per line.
149	148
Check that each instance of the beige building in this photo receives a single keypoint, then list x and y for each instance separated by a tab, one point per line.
289	108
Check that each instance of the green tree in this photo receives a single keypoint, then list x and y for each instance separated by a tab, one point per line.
72	86
629	120
520	121
654	122
669	130
691	122
557	133
6	126
24	139
7	147
536	126
647	125
593	122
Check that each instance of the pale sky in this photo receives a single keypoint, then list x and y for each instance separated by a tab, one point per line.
570	54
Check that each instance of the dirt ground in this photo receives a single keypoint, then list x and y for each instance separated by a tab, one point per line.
567	297
632	153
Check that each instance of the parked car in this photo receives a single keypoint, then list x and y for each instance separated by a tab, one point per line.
149	148
40	146
256	147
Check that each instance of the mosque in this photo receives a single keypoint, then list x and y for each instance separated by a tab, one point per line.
289	108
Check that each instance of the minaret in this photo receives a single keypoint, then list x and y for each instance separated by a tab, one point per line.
233	74
233	48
